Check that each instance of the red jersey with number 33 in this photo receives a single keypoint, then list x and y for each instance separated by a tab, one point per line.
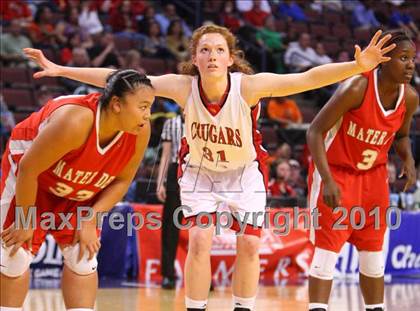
82	173
361	139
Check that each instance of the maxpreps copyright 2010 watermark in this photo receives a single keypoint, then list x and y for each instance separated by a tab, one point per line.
283	221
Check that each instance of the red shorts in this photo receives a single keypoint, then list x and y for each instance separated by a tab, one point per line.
48	207
361	193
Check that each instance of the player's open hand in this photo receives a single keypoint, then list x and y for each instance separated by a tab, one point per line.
374	53
16	237
49	69
88	240
409	170
332	194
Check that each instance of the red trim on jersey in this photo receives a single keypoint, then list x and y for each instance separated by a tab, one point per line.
257	141
213	108
183	151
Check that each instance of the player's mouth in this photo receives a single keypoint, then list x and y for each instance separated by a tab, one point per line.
408	74
212	67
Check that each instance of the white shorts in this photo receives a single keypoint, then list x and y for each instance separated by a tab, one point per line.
242	190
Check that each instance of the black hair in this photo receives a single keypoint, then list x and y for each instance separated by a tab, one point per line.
121	82
397	36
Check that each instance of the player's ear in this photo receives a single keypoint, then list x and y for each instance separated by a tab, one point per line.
115	104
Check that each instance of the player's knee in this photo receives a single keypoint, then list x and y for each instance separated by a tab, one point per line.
323	264
371	264
16	265
199	244
248	246
84	266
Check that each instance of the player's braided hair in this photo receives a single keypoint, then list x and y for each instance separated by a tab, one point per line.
121	82
397	35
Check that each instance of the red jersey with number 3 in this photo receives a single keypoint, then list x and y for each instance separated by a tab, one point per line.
361	139
83	172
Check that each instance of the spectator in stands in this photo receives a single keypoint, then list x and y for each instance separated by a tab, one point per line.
363	15
176	41
401	18
230	17
80	58
300	55
279	186
155	43
44	94
256	16
292	11
246	5
343	56
296	181
392	178
269	38
7	119
321	56
66	53
89	19
15	10
284	110
70	26
12	44
137	7
42	31
133	61
169	14
282	152
146	19
103	53
123	19
332	5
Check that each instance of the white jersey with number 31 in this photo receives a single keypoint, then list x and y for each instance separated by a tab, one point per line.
221	137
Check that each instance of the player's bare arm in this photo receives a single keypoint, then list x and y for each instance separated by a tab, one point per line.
176	87
68	127
265	84
348	96
402	139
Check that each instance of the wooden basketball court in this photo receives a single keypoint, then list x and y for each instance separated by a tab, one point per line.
345	297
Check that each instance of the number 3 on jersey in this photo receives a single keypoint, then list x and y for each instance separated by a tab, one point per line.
369	157
208	154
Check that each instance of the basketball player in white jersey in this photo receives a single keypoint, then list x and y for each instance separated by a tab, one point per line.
221	157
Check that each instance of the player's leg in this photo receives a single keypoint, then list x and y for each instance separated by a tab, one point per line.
77	275
198	268
196	197
250	209
247	272
326	236
14	271
369	240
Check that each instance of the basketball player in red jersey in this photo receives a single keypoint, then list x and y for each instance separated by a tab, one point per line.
349	141
76	151
221	158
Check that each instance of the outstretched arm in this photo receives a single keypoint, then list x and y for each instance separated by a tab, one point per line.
176	87
270	84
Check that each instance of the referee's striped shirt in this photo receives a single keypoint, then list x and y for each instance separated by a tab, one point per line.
173	129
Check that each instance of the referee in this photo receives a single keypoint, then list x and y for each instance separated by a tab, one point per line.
168	193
